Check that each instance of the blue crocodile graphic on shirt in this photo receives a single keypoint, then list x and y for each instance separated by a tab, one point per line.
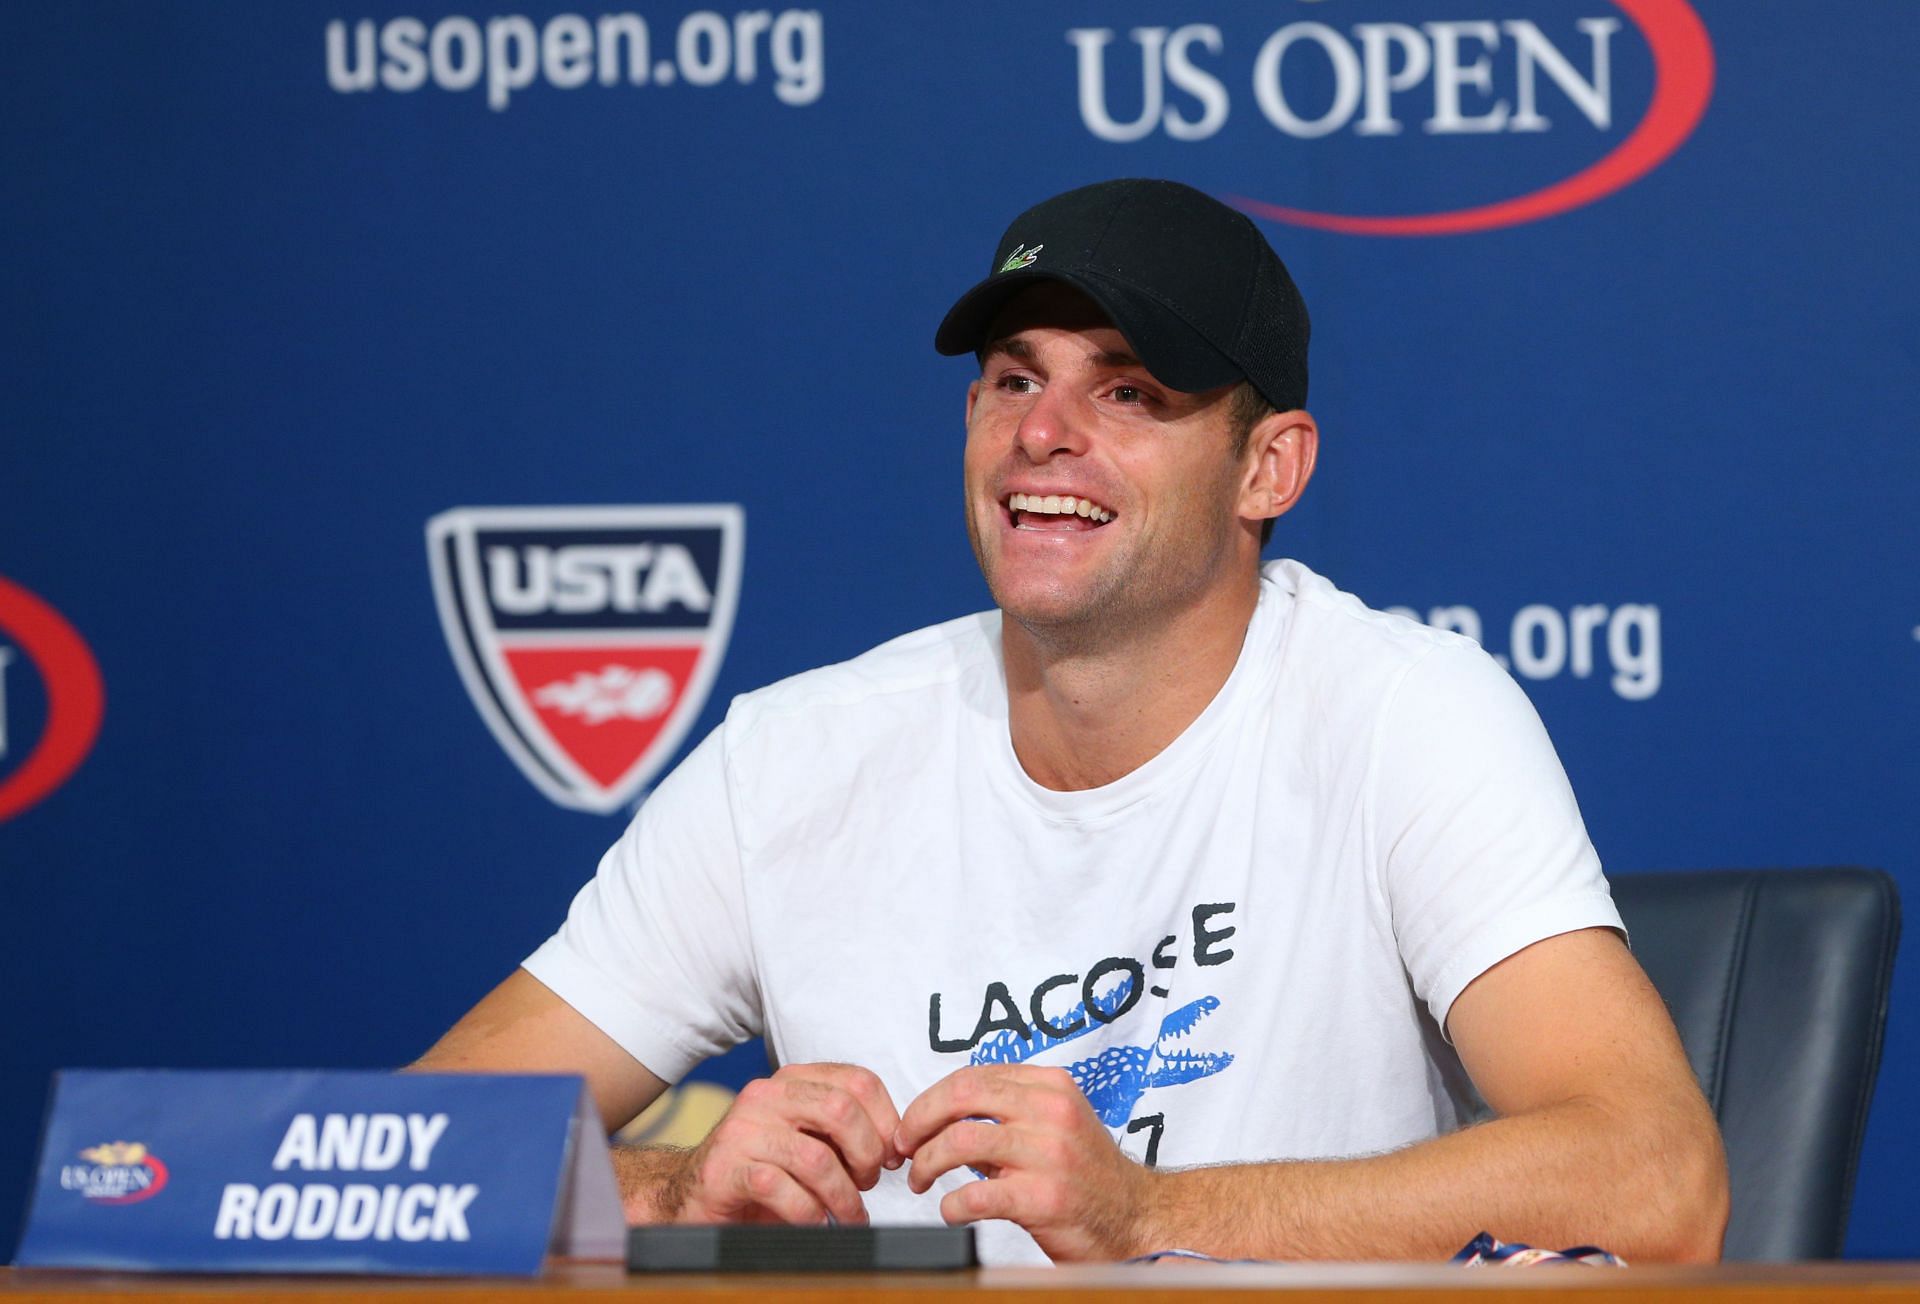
1114	1080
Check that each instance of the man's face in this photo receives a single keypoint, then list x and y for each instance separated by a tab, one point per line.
1063	409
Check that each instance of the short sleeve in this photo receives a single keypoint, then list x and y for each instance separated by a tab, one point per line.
1475	825
655	950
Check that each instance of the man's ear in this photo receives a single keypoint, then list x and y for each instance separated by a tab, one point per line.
973	395
1281	449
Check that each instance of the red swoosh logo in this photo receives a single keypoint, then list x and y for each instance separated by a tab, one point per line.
75	697
147	1192
1682	85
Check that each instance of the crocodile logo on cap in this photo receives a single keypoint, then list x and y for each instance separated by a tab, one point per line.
1020	257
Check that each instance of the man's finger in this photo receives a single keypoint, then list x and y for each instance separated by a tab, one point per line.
838	1117
1002	1197
865	1086
985	1091
978	1145
817	1167
768	1186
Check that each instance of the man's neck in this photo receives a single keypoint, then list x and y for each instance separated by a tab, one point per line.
1084	714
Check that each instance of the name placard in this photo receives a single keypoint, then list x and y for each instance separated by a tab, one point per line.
320	1171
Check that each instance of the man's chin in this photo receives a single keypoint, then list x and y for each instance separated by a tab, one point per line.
1051	597
1048	610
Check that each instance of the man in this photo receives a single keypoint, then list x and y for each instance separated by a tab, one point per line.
1178	902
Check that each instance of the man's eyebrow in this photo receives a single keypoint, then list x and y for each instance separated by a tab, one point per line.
1011	347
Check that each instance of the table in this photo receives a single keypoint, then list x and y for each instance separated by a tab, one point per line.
1185	1283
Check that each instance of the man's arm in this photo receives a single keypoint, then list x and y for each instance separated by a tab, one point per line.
522	1027
794	1146
1602	1138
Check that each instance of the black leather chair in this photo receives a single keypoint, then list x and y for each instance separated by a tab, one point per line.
1778	981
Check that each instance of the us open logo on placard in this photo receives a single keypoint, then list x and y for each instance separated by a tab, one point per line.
115	1172
588	637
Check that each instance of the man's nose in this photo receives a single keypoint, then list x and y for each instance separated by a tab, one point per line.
1053	424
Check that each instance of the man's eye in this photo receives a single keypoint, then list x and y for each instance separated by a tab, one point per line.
1017	384
1129	394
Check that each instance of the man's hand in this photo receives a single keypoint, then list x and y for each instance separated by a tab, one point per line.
796	1147
1049	1163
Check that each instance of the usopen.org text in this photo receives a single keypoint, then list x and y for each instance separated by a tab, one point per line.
1544	642
509	53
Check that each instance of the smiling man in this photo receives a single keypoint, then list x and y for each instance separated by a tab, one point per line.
1178	901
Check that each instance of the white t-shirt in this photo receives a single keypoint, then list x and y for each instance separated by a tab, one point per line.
1244	950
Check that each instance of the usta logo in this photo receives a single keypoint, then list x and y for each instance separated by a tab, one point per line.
588	637
1464	77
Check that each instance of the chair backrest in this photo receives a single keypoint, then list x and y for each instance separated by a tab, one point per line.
1778	981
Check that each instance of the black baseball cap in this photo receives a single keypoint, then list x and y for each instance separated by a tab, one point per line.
1191	283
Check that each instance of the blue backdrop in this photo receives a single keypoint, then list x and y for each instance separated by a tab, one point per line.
1624	388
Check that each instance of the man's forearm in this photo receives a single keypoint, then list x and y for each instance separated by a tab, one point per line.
1572	1174
653	1181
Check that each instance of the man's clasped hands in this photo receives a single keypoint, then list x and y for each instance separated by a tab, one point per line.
801	1145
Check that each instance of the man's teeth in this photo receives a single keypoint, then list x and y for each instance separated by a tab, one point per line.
1058	505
